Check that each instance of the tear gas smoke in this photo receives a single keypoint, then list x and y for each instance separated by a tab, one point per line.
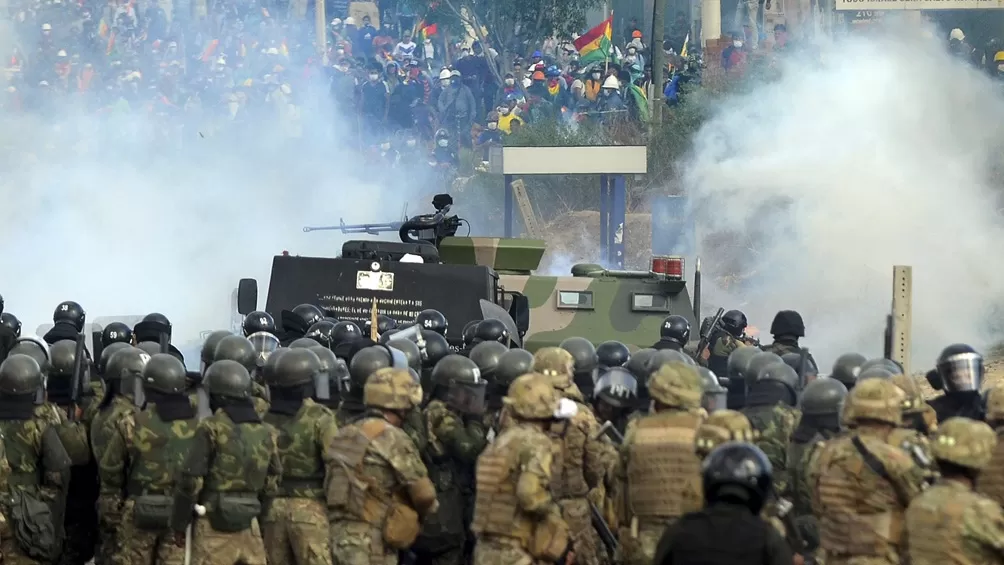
883	155
108	212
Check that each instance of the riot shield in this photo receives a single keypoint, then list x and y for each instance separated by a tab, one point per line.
400	360
138	394
203	409
491	311
264	344
467	398
322	386
340	374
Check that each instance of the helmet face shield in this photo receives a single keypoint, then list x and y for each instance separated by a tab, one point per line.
265	345
962	372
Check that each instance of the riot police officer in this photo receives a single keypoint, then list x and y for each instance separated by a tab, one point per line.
333	370
10	321
847	367
728	336
432	320
297	321
715	396
492	330
363	364
613	354
344	332
469	335
787	328
586	363
320	332
770	407
960	369
115	332
674	333
240	349
615	397
736	368
67	322
512	364
487	356
258	321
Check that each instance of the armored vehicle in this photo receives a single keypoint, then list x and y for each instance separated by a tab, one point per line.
473	278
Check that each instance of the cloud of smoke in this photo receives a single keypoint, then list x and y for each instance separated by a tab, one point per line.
882	155
107	212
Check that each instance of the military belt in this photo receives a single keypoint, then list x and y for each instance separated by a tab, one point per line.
289	487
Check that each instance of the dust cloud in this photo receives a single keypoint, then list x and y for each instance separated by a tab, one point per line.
884	154
102	209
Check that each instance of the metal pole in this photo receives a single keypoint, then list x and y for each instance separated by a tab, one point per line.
321	28
902	314
658	59
507	212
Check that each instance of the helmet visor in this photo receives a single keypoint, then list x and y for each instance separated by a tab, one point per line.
962	372
618	388
265	345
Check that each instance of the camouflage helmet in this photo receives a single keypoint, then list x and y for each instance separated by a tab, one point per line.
720	427
875	399
532	397
995	404
823	397
392	389
556	364
913	402
964	442
676	385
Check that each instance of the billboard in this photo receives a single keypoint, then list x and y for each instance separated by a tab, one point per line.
868	5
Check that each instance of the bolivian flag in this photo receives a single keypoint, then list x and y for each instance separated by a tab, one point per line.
594	45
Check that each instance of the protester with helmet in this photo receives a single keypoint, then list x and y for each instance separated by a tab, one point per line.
737	479
610	102
375	452
457	108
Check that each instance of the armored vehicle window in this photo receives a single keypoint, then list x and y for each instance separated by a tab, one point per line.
575	300
641	302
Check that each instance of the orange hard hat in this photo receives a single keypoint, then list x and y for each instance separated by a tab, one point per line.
636	33
537	75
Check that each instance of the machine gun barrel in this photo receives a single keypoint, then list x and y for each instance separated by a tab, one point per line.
371	229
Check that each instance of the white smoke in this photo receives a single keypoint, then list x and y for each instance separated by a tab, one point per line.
103	211
881	155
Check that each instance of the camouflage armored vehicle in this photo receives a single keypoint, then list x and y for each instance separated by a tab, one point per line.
433	268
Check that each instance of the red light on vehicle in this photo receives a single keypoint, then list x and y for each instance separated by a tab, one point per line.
285	253
668	266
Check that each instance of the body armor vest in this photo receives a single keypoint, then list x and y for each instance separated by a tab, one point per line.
243	446
718	359
23	458
569	443
663	471
991	481
157	453
302	465
496	509
937	532
350	492
861	515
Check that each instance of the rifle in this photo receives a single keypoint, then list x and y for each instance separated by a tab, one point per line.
78	374
603	529
706	332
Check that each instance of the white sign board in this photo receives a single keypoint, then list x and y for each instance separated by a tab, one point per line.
919	4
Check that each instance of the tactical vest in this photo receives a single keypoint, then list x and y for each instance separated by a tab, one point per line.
349	491
569	442
797	467
22	456
497	511
937	532
302	464
157	453
991	481
861	512
718	360
237	476
763	418
663	471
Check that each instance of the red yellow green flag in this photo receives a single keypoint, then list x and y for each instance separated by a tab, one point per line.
594	45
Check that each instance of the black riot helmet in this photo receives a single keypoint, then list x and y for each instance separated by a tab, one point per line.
617	387
432	320
512	364
823	397
492	330
258	321
960	368
758	363
781	373
787	323
296	367
388	335
63	358
639	363
714	395
366	362
320	332
157	317
11	322
309	313
237	348
436	347
228	379
303	343
344	331
69	312
666	356
739	362
847	367
675	328
613	354
20	375
468	334
456	369
116	332
737	472
734	322
208	354
384	324
106	355
150	347
887	364
164	373
411	352
126	364
806	371
486	356
583	352
34	348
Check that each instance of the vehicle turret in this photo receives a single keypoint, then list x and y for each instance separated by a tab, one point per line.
504	255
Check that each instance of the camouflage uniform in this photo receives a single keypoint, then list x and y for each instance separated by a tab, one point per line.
911	440
139	467
233	470
950	522
103	428
775	423
581	459
660	474
259	396
295	530
452	452
716	356
516	519
377	486
991	481
861	485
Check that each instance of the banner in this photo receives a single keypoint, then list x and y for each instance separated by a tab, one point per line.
845	5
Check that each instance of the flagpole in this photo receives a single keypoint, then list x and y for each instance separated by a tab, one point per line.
606	56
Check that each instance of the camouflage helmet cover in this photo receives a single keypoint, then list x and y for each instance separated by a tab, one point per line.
875	399
964	442
556	364
721	427
995	404
913	402
533	397
676	385
392	389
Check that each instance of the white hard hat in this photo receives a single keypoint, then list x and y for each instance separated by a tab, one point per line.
61	53
455	73
956	34
46	27
444	74
286	89
336	21
527	82
272	51
350	21
611	82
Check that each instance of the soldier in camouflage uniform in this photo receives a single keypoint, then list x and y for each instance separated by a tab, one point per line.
770	407
582	461
951	522
377	487
295	529
991	483
660	473
787	328
721	427
142	460
240	349
457	435
487	355
39	467
232	473
912	436
516	518
861	485
74	428
363	363
725	339
122	370
514	363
